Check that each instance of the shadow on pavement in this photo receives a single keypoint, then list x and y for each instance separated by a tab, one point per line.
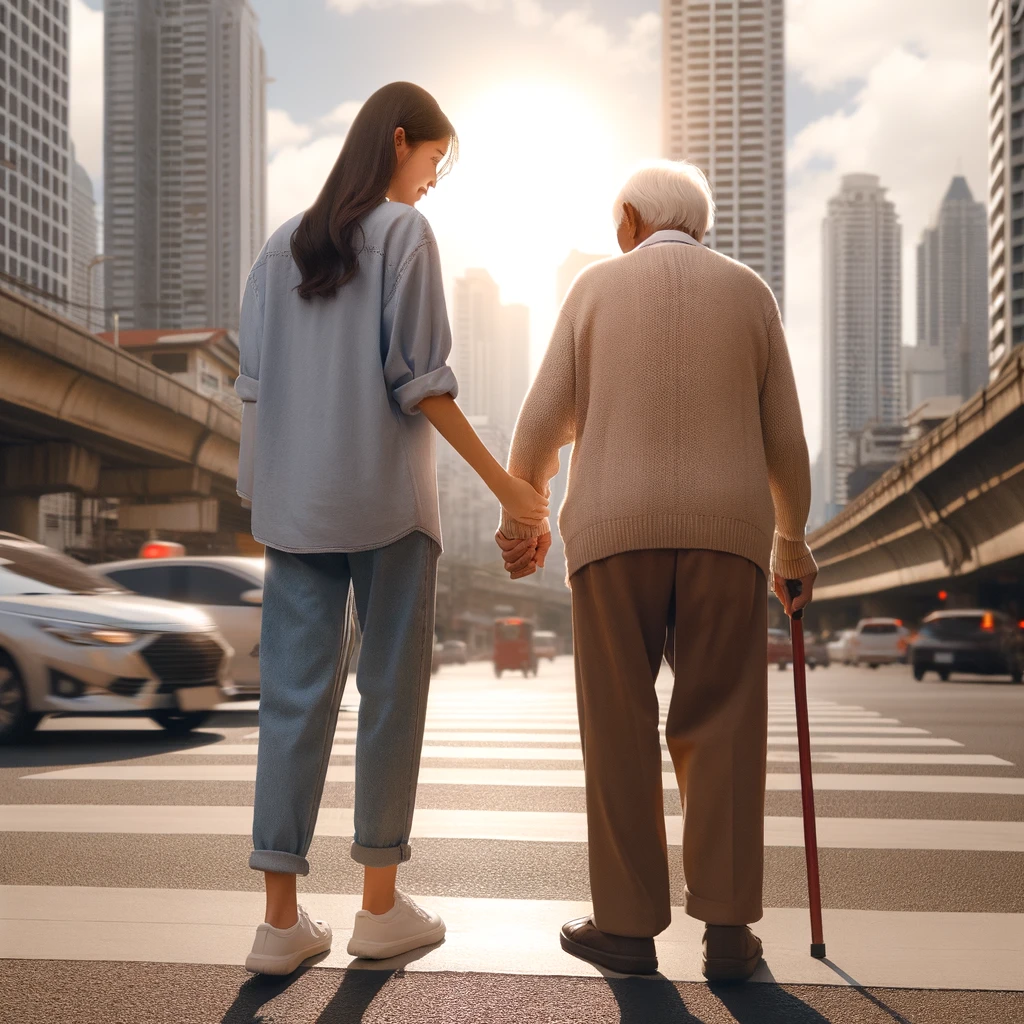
765	1004
870	997
58	749
355	993
646	1000
255	993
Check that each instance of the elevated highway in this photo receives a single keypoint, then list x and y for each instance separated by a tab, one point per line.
949	517
77	414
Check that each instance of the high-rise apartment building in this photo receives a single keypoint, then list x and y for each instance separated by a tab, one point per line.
185	156
84	239
35	193
952	290
1006	180
723	108
860	326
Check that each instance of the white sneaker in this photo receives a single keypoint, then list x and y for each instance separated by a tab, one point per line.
404	927
281	950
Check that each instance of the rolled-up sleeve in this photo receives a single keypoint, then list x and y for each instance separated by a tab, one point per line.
416	334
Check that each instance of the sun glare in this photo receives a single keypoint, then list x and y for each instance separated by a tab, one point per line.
538	169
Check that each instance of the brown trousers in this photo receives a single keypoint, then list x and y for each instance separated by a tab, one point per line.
624	608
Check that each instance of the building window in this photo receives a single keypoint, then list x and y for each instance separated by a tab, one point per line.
170	362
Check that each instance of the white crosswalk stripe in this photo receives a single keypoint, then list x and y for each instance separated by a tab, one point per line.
528	731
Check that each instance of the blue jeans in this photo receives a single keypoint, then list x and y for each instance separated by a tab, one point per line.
305	649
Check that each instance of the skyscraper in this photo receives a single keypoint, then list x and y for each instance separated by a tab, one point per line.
491	351
860	325
723	108
84	237
34	150
1006	181
185	155
952	290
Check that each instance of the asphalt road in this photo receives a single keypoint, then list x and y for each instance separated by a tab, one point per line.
125	895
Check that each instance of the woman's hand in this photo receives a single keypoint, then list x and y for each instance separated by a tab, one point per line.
522	502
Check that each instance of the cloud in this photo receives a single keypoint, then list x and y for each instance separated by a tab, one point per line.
917	119
295	174
829	43
86	87
636	51
342	115
283	131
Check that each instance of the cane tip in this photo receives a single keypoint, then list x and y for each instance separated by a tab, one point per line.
818	950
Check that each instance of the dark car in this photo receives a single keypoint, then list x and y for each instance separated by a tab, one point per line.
816	652
974	641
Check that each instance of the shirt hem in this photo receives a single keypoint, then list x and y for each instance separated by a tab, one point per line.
346	548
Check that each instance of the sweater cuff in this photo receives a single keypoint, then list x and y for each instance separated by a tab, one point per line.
792	559
513	529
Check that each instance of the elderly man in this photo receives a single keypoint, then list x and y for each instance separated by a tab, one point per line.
689	488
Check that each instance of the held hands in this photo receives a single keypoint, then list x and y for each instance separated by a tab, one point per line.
523	556
522	502
793	604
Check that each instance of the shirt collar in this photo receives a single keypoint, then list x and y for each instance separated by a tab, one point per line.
670	235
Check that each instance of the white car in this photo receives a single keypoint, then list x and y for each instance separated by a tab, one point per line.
71	643
879	641
840	649
229	589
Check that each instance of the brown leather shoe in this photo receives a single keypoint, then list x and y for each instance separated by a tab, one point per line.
730	952
582	938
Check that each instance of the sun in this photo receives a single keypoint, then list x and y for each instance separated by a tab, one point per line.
538	169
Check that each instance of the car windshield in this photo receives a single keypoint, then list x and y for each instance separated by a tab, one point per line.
953	627
31	569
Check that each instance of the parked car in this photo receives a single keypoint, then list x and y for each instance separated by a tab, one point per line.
513	647
229	589
816	652
840	650
545	644
780	648
72	642
879	641
435	657
977	641
454	652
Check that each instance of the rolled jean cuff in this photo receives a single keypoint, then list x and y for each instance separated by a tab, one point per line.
714	912
381	856
282	863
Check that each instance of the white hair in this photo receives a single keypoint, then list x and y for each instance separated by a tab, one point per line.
668	194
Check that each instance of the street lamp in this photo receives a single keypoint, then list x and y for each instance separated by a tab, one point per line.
91	266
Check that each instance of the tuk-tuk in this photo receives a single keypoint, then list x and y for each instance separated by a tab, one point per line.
513	647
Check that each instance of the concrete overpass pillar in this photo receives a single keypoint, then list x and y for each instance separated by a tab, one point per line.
20	514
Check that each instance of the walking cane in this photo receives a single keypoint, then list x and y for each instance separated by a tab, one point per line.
803	734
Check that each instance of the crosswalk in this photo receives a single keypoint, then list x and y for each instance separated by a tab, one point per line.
492	751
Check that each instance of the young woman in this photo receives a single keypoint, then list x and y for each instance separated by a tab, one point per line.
344	340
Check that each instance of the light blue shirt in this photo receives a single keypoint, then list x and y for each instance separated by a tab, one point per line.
333	455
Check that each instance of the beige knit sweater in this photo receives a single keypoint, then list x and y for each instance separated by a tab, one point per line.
669	374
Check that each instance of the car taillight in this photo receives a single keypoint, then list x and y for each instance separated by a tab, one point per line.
988	622
161	549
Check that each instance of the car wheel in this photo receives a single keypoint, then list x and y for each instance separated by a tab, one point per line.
783	665
497	673
874	664
918	672
1017	675
812	665
944	675
179	723
16	721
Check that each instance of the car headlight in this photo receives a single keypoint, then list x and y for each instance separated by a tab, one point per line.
101	636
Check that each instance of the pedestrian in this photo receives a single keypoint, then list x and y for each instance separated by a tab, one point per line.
344	338
689	488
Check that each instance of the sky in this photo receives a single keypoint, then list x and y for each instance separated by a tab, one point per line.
556	100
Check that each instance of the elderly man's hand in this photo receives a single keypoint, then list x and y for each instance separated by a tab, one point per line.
794	604
523	556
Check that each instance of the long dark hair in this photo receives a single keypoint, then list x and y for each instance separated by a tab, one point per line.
324	245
